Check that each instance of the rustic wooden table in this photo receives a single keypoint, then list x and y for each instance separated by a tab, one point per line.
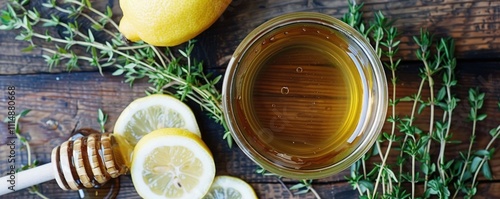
62	101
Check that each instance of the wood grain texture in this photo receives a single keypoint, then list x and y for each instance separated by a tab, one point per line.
473	24
13	61
61	101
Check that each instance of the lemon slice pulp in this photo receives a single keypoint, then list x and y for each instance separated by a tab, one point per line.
172	163
228	187
153	112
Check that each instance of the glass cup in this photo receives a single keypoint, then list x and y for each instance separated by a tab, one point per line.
305	95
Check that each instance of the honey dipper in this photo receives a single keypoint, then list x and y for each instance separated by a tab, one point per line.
81	162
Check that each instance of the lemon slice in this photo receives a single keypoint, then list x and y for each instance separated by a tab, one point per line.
153	112
228	187
172	163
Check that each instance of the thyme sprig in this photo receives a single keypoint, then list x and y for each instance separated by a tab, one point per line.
102	118
440	176
302	187
24	140
174	71
101	45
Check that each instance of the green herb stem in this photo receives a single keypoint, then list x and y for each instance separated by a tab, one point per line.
67	27
357	187
471	143
65	55
315	193
449	114
430	82
483	160
133	47
25	142
476	174
446	45
86	16
139	60
95	22
101	47
413	182
96	12
495	136
161	58
203	93
41	195
390	44
415	100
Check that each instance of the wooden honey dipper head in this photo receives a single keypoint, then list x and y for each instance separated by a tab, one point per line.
89	161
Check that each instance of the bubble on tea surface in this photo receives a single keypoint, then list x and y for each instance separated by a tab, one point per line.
299	69
285	90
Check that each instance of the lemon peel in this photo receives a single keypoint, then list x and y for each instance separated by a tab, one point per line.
168	23
172	163
229	187
153	112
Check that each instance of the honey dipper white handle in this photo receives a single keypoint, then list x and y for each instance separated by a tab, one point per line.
14	181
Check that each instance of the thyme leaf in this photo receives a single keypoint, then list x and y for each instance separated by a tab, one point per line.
168	70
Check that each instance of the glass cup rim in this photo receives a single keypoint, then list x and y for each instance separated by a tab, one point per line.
335	25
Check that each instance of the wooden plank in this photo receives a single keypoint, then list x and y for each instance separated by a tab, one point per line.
264	190
13	61
62	102
468	77
473	24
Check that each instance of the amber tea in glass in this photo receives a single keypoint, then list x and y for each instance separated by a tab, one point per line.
304	95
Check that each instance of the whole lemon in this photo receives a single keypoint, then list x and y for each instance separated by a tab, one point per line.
168	22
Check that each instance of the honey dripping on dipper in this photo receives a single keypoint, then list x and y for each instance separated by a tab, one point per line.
87	160
109	189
